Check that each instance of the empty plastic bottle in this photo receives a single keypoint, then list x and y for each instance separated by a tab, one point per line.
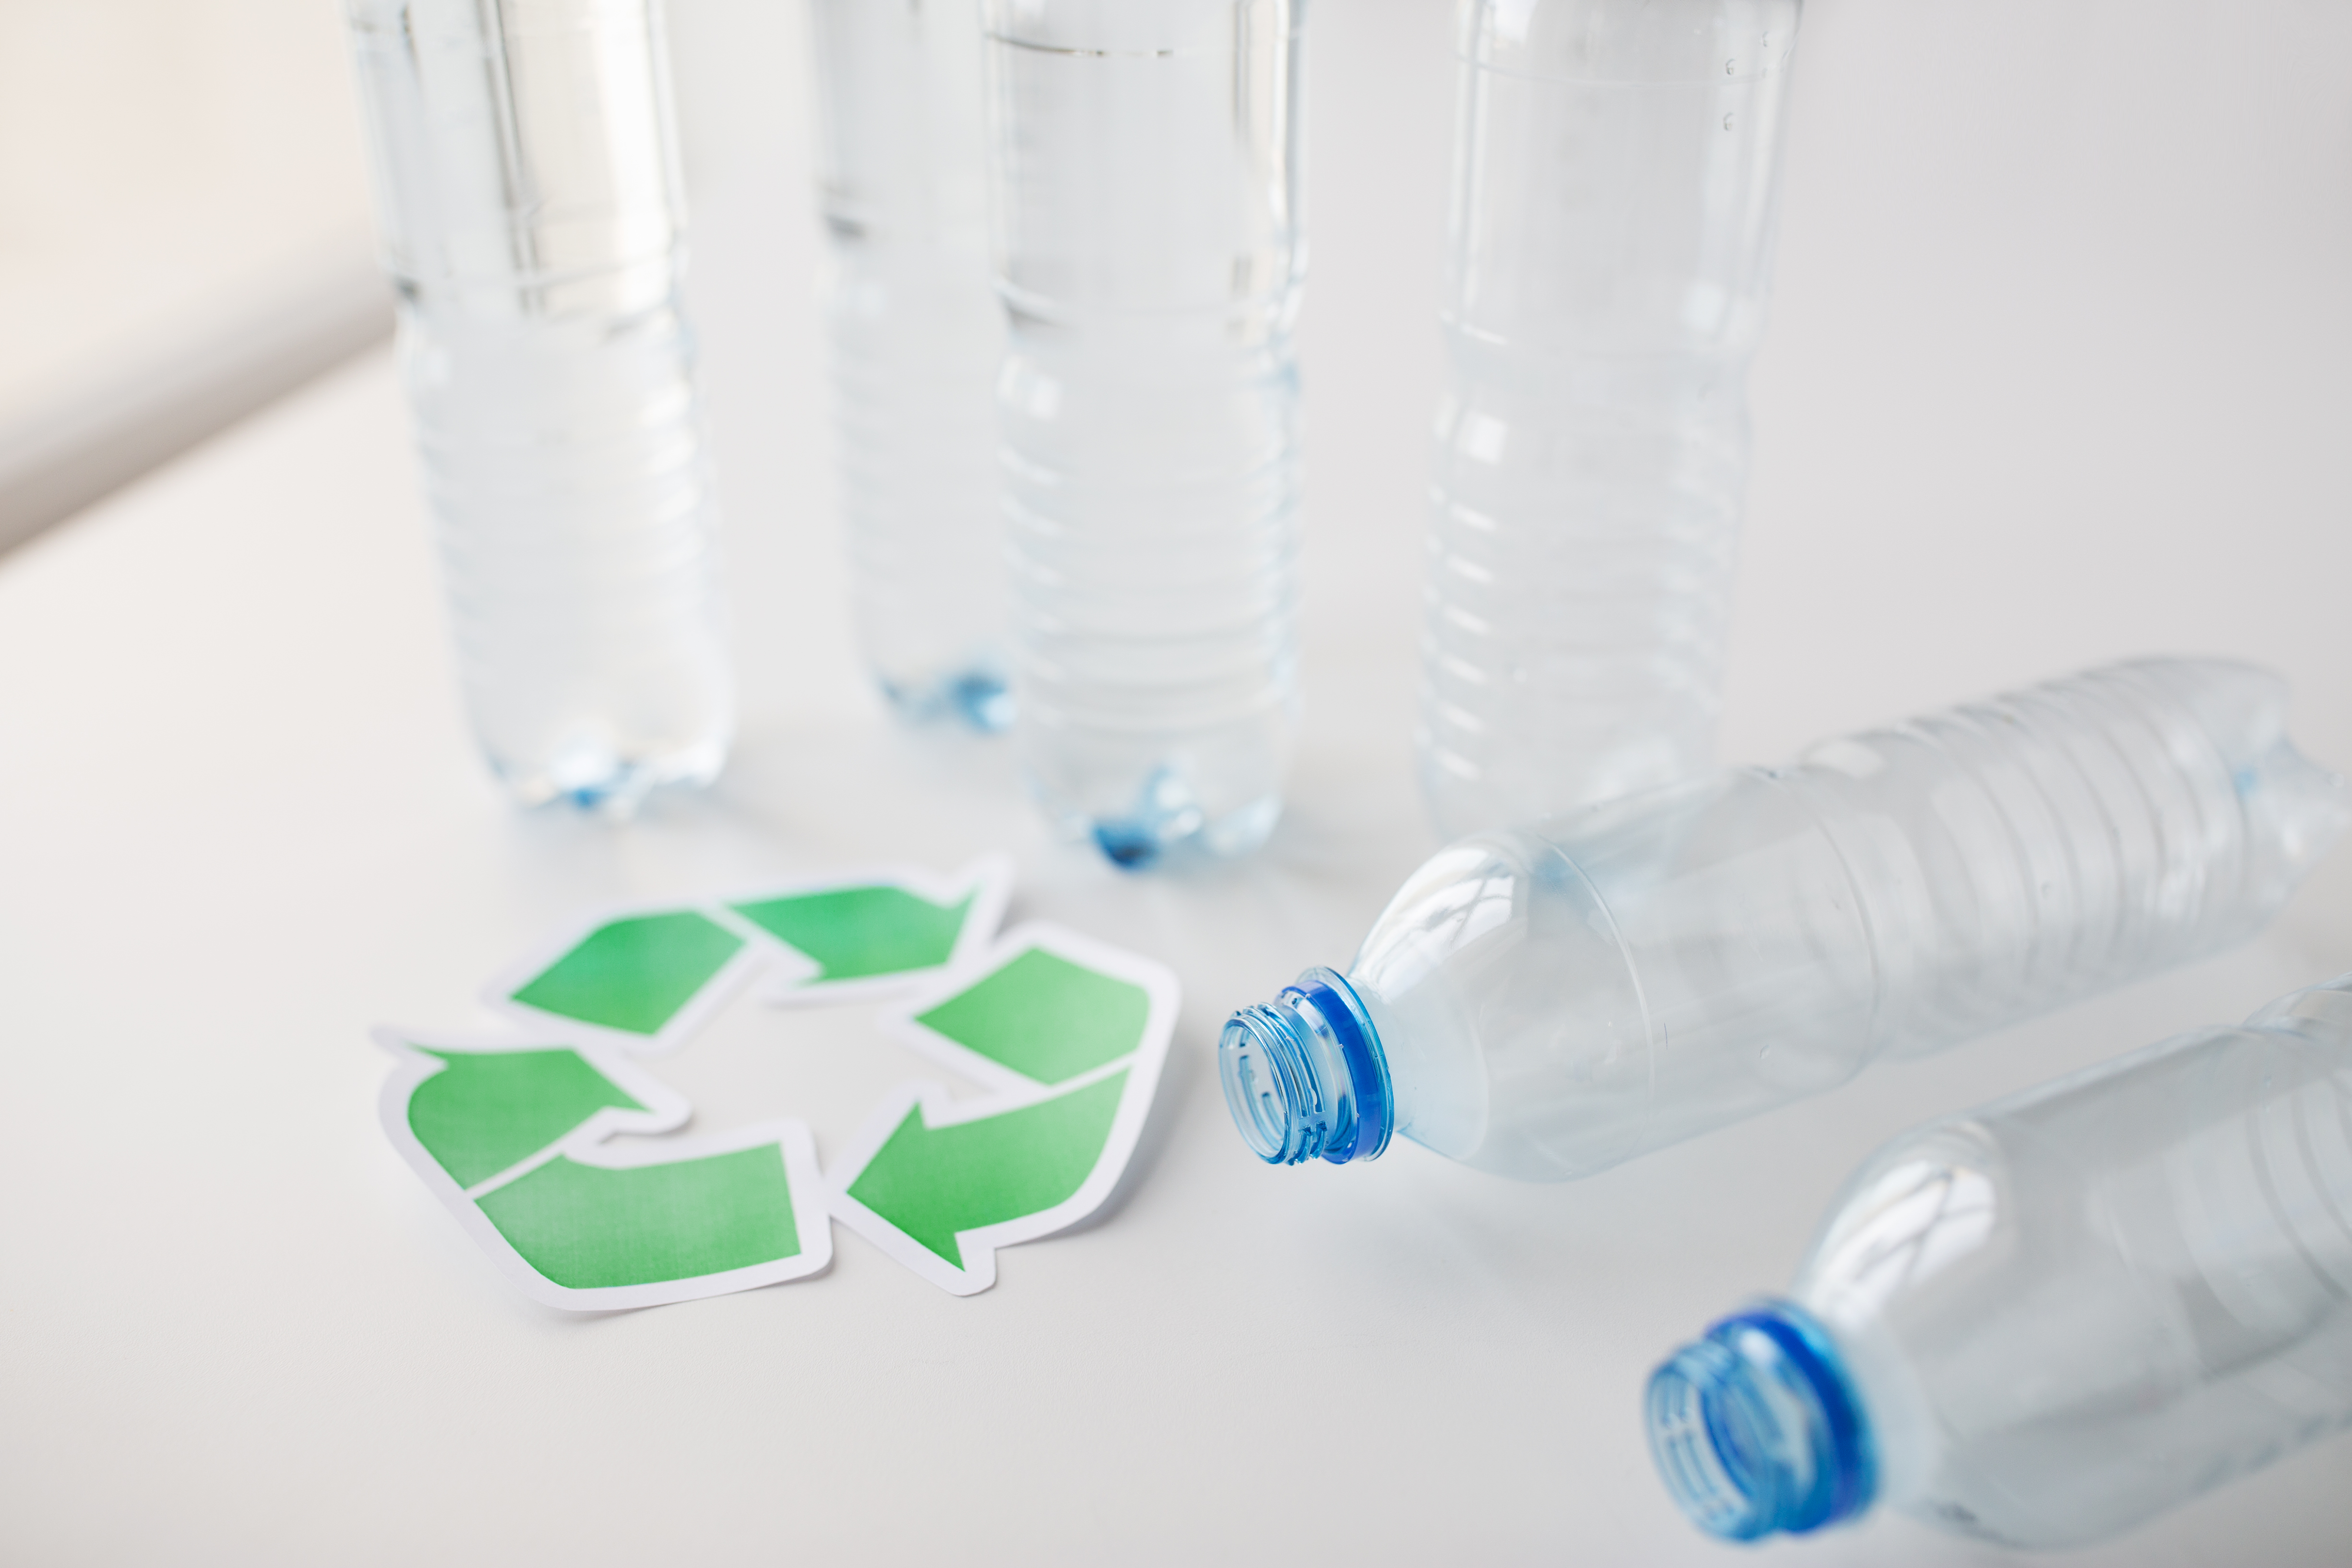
1145	176
1610	249
918	336
1546	1002
2046	1320
527	198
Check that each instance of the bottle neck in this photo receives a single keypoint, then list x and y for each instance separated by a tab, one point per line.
1304	1075
1756	1428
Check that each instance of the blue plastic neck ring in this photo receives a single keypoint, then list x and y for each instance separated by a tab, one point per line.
1853	1471
1367	1072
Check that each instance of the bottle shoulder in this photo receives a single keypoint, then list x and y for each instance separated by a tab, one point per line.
2072	1303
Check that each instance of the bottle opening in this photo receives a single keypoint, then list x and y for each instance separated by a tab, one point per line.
1254	1062
1304	1075
1756	1428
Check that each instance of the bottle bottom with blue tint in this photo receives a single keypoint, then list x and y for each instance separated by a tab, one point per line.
977	697
1166	823
1147	786
596	776
1757	1428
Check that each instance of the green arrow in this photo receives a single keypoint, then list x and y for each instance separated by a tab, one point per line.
1044	1017
590	1227
487	1110
854	932
932	1182
634	975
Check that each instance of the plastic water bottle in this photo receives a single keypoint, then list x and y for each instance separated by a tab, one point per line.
918	336
1144	166
1546	1002
1609	252
527	197
2046	1320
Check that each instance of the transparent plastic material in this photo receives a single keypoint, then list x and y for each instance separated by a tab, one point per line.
2045	1322
1547	1002
1145	176
529	207
918	336
1610	254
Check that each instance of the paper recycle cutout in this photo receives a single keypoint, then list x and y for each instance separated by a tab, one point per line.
1065	1035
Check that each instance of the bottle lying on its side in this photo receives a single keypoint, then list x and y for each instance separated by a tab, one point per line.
1548	1000
2046	1320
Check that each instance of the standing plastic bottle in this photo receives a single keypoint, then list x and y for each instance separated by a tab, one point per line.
528	196
1546	1002
1144	166
2045	1322
1610	249
917	338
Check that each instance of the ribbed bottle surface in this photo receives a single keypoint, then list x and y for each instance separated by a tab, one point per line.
1579	569
2013	855
2074	1309
528	203
1607	266
564	464
918	336
1148	251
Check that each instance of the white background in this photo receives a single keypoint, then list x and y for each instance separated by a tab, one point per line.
2054	376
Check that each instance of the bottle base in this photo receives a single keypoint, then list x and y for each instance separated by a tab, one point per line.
977	698
600	780
1168	825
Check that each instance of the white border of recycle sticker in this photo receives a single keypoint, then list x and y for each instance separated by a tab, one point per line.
988	881
1008	1090
758	952
588	1145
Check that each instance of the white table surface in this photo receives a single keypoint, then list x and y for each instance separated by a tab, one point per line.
2054	376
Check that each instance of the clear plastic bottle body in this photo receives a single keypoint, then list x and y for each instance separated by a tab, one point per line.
1608	264
1553	999
1144	167
528	200
2063	1314
917	339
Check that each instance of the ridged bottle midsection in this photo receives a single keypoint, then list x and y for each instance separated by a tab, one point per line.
918	338
531	218
1144	159
1730	943
1608	264
564	464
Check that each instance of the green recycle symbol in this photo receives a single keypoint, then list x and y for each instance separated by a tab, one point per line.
515	1132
